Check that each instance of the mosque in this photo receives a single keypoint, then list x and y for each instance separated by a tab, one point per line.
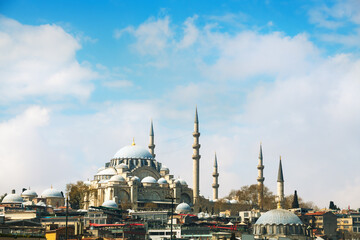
133	177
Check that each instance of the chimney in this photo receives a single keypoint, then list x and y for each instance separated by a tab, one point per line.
23	190
13	191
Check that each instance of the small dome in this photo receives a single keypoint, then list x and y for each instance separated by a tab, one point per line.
133	151
29	193
227	201
28	203
135	178
104	181
148	179
12	198
162	181
100	169
87	183
183	208
122	166
164	168
41	204
278	216
117	178
234	201
51	192
110	204
107	172
182	182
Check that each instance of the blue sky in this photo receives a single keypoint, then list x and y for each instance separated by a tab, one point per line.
80	79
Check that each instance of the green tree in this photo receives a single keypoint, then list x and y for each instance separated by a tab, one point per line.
248	197
76	192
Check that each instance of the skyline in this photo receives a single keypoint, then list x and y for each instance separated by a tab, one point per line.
79	81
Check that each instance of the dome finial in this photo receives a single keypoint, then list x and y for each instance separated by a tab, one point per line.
133	142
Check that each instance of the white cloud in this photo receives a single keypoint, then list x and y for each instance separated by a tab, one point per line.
40	61
191	33
152	36
337	15
249	54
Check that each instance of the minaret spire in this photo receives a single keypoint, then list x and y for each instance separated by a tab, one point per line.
260	180
196	157
280	187
151	144
216	182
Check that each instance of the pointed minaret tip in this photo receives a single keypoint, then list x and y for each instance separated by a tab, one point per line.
196	115
261	154
151	128
280	173
215	161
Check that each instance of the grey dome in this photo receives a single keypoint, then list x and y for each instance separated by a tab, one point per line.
122	166
164	168
133	151
107	172
41	204
117	178
110	204
29	193
51	193
135	178
162	181
148	179
278	216
183	208
12	198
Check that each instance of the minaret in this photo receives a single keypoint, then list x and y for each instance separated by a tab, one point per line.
151	144
280	187
196	158
260	180
216	182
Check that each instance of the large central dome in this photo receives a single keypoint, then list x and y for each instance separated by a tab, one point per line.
134	152
278	216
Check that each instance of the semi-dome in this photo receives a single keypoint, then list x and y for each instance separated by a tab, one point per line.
100	169
110	204
41	204
29	193
28	203
162	181
148	179
117	178
164	168
135	178
183	208
87	183
122	166
12	198
234	201
278	216
51	193
133	151
107	172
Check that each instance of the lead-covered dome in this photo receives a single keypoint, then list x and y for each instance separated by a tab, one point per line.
148	179
133	151
183	208
52	193
12	198
110	204
29	193
278	216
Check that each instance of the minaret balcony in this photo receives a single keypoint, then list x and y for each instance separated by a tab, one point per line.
215	174
196	134
196	145
260	179
215	185
260	167
196	157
